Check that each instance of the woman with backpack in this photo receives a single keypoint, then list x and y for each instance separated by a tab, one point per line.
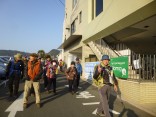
51	77
71	75
47	63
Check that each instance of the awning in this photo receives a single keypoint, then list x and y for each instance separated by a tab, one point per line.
71	39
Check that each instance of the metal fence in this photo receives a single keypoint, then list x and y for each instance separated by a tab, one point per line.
143	67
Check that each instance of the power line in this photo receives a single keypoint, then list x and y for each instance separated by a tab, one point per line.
61	3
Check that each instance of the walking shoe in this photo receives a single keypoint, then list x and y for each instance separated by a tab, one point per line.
38	105
100	114
25	105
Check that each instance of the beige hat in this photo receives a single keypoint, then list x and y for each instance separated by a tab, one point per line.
18	55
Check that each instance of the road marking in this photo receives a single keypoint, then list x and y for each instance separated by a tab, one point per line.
95	103
17	105
68	86
92	103
94	112
115	112
85	95
112	111
4	82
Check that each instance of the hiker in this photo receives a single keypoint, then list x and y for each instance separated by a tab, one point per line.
61	65
47	63
79	71
51	77
33	75
15	72
104	79
71	75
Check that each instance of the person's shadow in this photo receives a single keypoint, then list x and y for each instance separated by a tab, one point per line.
130	113
127	111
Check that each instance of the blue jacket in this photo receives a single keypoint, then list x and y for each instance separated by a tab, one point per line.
79	68
13	67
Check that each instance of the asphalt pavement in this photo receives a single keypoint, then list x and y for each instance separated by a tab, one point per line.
64	104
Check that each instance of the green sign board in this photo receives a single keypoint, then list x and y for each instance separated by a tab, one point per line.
120	66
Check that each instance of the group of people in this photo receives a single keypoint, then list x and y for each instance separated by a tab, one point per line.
35	68
32	70
29	70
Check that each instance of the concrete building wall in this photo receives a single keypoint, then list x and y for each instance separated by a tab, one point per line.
116	15
113	11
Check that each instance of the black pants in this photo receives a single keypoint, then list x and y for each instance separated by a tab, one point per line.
45	79
51	81
14	84
61	68
72	85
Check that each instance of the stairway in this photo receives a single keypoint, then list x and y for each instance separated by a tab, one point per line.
95	49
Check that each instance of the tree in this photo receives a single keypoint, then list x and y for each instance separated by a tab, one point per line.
41	53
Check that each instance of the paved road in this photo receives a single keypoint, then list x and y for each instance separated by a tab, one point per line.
64	104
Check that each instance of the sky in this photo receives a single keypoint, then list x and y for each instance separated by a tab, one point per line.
31	25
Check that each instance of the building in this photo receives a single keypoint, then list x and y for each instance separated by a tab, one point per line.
115	27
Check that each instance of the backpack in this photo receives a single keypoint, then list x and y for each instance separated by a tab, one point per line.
72	73
51	72
15	67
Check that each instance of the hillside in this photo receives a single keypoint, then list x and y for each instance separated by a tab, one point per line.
54	52
11	53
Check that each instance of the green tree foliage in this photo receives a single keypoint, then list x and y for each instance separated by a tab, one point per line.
41	53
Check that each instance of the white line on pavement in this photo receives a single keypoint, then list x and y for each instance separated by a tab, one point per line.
94	112
115	112
84	94
17	105
112	111
68	86
92	103
4	82
95	103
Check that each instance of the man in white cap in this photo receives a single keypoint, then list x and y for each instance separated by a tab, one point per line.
103	74
15	71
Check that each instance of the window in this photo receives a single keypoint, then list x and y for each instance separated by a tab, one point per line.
74	3
99	7
73	27
80	17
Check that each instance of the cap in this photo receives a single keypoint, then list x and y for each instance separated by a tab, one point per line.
18	55
105	57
